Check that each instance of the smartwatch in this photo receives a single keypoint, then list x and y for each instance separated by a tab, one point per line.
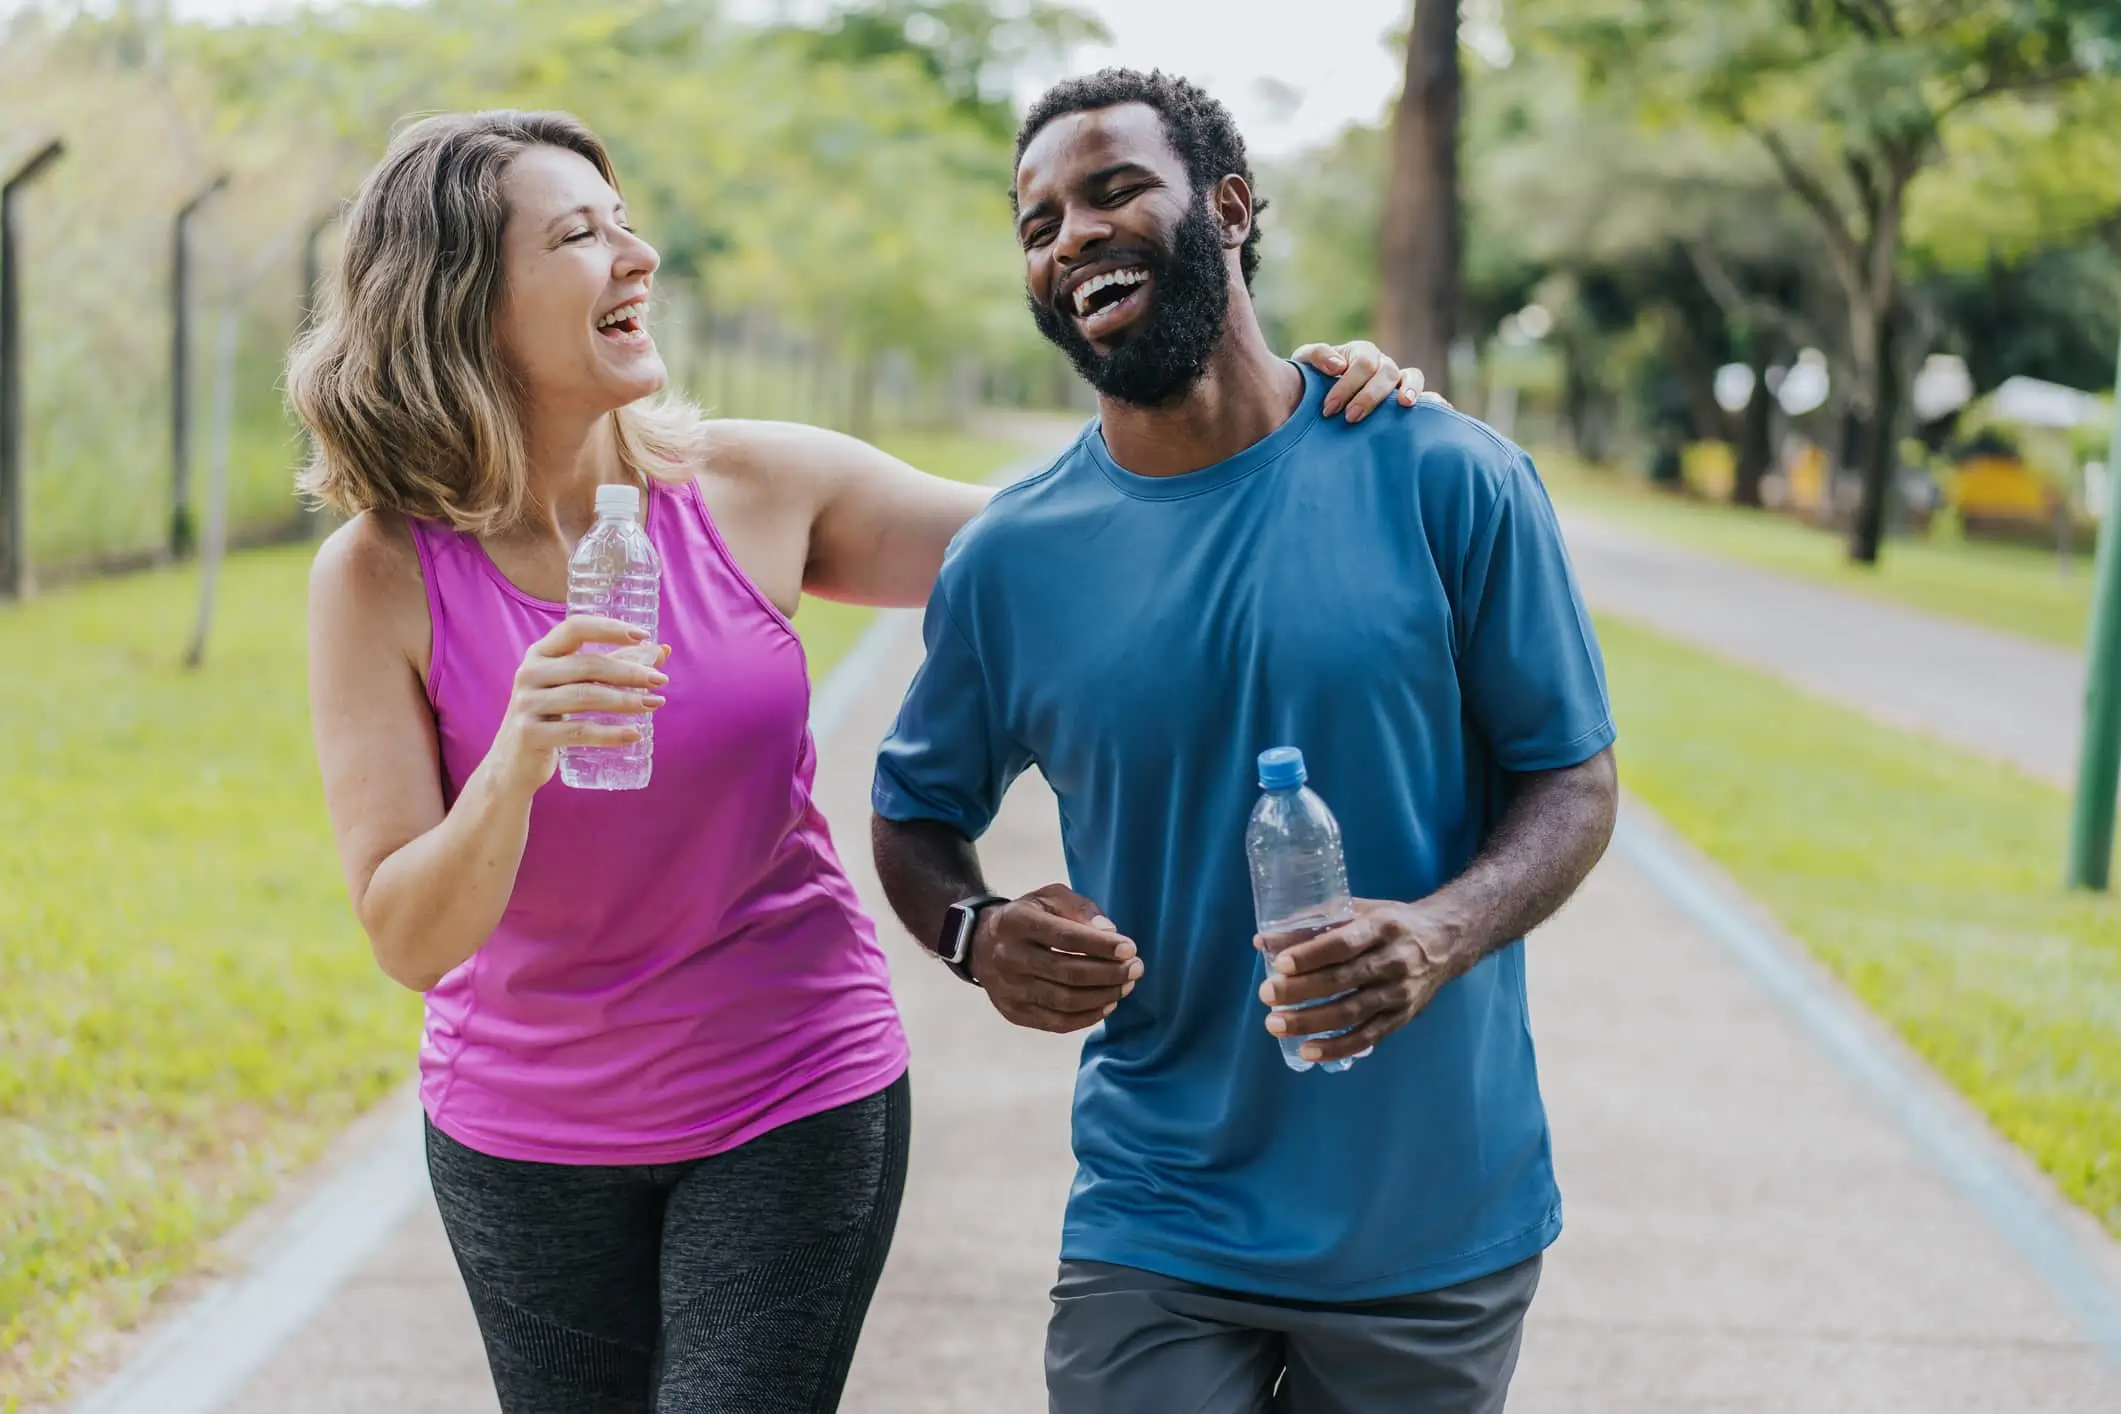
954	945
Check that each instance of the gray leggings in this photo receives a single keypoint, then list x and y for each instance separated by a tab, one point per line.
734	1284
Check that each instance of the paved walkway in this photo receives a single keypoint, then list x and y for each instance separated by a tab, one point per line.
1991	692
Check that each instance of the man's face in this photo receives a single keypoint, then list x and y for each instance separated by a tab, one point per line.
1125	266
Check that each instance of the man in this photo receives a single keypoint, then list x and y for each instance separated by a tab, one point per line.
1206	573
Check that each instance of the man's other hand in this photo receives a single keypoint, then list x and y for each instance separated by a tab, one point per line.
1052	961
1383	968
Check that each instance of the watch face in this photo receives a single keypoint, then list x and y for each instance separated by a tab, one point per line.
957	932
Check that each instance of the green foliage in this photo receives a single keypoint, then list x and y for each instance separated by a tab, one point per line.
1926	879
1319	247
969	47
1528	193
2054	313
1853	99
1631	170
2020	175
845	188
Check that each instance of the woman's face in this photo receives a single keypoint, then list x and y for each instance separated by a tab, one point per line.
573	318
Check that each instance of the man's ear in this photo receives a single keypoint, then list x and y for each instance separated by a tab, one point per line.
1233	210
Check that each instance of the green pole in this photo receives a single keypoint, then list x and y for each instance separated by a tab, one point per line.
2091	836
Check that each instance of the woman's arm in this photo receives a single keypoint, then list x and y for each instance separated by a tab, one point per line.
880	527
429	885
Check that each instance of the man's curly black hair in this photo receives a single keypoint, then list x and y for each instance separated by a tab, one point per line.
1201	130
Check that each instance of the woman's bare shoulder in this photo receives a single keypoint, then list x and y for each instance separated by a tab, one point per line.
371	553
369	568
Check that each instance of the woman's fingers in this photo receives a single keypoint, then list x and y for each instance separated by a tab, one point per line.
1363	361
620	670
588	697
1382	385
550	735
577	631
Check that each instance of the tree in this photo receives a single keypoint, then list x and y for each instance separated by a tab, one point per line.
1422	240
1850	100
972	48
2016	243
1660	259
843	180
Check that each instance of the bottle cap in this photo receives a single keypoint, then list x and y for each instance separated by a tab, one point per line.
1281	768
622	501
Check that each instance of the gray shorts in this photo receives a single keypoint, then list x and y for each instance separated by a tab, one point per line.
1129	1342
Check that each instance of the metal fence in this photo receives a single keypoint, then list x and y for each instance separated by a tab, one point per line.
120	254
109	397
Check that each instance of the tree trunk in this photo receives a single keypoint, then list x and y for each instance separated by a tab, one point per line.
1419	286
1756	433
1575	398
1881	442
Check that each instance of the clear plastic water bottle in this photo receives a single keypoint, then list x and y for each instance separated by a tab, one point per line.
1299	880
615	574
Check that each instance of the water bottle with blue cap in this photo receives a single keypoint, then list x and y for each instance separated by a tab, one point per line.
1299	879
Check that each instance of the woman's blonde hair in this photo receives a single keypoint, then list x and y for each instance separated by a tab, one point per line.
408	401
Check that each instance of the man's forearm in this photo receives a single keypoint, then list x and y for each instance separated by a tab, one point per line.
1554	830
924	866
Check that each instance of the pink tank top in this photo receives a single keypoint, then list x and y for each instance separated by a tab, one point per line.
679	968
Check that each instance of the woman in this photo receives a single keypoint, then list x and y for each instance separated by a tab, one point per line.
663	1074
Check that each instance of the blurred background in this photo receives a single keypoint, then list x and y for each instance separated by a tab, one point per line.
1831	290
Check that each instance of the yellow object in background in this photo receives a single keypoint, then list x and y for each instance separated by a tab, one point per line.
1807	478
1709	469
2000	488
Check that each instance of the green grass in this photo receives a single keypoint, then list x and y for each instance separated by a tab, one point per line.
2011	587
1927	879
187	1009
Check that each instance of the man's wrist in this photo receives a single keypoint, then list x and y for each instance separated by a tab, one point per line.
956	939
1448	937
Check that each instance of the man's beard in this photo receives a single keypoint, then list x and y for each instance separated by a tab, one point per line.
1160	359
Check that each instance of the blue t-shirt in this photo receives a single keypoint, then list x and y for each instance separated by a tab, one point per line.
1394	599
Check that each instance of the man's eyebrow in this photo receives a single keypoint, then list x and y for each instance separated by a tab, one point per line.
1098	178
1117	169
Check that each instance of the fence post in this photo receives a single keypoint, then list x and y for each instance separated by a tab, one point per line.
14	490
180	519
2091	836
312	518
216	544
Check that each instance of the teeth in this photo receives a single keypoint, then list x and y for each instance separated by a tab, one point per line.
1111	277
637	310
